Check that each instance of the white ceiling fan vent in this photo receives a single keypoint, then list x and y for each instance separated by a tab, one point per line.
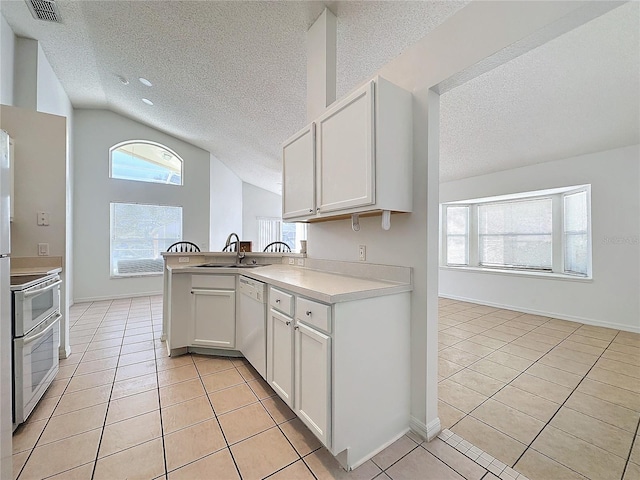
46	10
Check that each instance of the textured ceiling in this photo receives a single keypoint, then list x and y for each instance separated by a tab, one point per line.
576	94
228	76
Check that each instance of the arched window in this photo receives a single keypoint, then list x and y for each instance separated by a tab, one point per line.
144	161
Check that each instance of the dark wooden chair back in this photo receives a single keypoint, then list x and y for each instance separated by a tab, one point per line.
183	247
277	247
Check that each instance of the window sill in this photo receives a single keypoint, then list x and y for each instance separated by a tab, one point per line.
520	273
137	275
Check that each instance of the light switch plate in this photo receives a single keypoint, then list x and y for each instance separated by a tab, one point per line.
43	249
292	261
362	253
301	262
183	259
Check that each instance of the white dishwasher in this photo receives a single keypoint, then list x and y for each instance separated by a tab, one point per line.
251	333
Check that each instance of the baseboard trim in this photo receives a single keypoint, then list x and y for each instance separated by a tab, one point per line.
426	431
64	351
433	429
544	313
116	297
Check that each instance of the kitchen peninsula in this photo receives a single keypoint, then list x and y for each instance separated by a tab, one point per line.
337	338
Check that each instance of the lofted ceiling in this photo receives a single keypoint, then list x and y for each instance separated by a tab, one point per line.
230	77
578	93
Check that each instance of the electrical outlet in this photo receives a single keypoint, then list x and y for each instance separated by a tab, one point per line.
292	261
43	219
43	249
362	253
301	262
183	259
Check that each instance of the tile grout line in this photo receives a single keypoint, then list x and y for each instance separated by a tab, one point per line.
499	348
560	408
215	415
561	405
633	442
47	422
155	361
633	439
524	371
104	423
485	356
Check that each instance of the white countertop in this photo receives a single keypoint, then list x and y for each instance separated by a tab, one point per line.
323	286
34	270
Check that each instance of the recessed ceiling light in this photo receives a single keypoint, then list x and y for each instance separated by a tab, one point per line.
123	80
146	82
147	101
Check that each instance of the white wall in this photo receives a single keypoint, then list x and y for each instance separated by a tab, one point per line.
257	202
39	176
95	132
408	243
51	98
7	55
611	299
225	203
35	87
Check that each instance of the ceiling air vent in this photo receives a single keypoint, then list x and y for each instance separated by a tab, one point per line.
46	10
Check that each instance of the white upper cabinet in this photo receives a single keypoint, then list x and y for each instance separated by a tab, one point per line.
345	150
359	160
298	164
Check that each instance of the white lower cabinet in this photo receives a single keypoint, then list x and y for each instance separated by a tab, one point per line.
299	365
343	368
280	355
213	312
313	380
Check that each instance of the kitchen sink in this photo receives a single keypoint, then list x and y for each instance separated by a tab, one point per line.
232	265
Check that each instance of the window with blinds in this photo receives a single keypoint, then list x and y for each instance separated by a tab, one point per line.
543	231
139	234
576	233
516	234
275	230
457	229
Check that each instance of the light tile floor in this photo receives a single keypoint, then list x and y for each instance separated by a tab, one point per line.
551	398
120	408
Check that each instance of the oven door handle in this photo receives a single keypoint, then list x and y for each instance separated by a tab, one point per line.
28	340
27	293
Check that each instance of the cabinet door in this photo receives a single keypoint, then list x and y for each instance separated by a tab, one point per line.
313	374
298	174
346	154
280	355
214	318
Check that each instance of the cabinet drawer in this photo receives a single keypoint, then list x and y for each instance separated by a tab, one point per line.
281	301
214	281
314	313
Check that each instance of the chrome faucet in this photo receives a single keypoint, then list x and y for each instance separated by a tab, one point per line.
239	254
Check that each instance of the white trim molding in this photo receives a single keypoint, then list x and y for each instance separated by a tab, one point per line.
426	431
545	313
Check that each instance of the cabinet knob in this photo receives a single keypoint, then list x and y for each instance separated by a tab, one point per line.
311	210
296	327
318	209
308	312
288	322
277	300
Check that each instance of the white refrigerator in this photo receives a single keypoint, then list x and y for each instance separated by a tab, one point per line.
6	376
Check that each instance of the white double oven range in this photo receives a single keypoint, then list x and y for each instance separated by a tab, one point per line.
36	339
